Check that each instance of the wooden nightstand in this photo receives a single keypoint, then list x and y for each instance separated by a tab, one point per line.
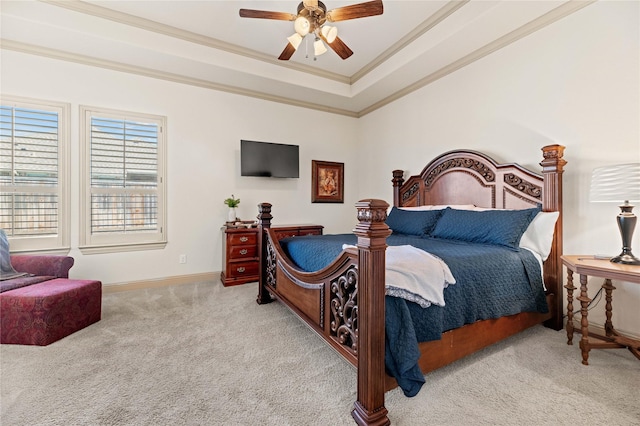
587	266
240	256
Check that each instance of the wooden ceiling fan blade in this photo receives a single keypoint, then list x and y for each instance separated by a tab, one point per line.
360	10
288	51
265	14
339	47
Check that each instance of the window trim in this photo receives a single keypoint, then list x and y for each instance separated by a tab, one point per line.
98	244
59	243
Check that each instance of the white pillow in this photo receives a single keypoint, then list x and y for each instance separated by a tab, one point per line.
539	234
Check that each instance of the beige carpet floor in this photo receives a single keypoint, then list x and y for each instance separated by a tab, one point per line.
202	354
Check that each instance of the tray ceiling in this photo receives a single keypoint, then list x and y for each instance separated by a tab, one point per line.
206	43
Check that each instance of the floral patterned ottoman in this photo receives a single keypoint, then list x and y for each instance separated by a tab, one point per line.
40	314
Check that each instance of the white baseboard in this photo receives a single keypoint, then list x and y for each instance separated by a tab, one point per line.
162	282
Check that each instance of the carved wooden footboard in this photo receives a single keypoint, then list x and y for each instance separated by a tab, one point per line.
344	302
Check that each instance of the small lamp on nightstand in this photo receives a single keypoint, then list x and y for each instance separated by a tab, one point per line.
614	184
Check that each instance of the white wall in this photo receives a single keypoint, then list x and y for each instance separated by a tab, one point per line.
575	83
204	132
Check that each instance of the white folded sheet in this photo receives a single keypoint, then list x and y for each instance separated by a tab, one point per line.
416	275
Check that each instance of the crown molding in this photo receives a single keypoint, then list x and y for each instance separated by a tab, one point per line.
428	24
170	31
162	75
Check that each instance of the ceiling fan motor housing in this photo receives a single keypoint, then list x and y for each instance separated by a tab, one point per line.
317	16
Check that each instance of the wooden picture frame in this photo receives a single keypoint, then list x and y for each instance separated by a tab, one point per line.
327	182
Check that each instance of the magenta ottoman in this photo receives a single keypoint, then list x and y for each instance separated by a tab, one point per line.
42	313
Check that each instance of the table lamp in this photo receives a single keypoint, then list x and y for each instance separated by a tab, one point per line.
615	184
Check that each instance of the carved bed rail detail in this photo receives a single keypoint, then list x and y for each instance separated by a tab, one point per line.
344	308
367	214
523	186
484	170
270	265
410	192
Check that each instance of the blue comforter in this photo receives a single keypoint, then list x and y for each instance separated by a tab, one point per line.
491	281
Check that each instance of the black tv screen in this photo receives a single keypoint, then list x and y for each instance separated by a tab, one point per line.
269	159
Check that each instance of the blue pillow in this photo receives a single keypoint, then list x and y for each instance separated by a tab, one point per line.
413	222
498	227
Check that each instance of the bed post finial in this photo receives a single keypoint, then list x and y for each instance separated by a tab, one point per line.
264	222
264	215
398	180
372	232
552	169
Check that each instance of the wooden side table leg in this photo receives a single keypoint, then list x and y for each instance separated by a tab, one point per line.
584	321
570	289
608	289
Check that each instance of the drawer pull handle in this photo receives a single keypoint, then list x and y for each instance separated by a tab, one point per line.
241	269
244	251
244	239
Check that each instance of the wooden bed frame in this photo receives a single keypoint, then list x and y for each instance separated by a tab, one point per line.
344	302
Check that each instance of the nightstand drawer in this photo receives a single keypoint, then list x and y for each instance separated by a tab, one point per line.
242	238
243	252
285	231
242	269
286	234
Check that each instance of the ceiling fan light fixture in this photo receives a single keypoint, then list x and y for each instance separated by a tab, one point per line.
319	47
330	33
311	17
295	39
302	25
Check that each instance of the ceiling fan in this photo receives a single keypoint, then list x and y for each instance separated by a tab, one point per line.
311	17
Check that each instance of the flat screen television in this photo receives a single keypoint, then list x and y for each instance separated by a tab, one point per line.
268	159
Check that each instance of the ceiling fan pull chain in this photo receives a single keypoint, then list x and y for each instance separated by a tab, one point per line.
315	57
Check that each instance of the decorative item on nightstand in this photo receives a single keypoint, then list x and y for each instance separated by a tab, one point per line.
614	184
232	203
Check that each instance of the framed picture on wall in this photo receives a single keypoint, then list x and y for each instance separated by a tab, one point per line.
327	182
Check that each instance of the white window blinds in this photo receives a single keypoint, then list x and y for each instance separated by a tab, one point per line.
124	203
31	175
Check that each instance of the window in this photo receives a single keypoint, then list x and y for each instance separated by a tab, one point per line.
123	181
34	180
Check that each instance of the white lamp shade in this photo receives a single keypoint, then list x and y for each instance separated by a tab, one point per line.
318	47
615	183
295	40
330	33
302	25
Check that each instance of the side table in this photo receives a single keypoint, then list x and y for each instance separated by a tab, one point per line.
588	266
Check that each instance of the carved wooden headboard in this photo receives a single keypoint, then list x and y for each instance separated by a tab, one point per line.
470	177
